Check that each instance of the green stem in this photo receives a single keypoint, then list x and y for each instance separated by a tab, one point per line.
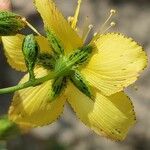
37	81
28	84
63	68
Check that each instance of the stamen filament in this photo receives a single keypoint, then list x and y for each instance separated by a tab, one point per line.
75	18
112	12
87	32
112	24
31	27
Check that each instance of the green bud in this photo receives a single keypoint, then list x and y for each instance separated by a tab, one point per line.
55	43
30	51
57	87
80	55
80	83
10	23
8	129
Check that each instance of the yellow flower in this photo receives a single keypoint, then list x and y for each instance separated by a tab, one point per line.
115	64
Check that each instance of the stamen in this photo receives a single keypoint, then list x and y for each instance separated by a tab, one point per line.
112	12
31	27
112	24
87	33
70	19
76	15
95	33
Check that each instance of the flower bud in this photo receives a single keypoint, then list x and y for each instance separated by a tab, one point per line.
10	23
30	51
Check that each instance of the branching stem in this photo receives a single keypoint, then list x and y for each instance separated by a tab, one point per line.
27	84
63	68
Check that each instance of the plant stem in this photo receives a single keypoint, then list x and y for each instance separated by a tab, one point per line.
27	84
63	69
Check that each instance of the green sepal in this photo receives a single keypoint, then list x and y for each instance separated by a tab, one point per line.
46	60
8	129
55	43
58	86
30	51
62	66
80	82
81	55
10	23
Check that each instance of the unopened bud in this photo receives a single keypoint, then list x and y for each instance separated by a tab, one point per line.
30	51
10	23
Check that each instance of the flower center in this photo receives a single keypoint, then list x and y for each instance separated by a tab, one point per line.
65	66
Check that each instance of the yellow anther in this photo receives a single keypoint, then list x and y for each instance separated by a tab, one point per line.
90	26
70	19
95	33
112	24
112	11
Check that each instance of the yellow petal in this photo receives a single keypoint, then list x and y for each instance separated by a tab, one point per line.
31	106
13	50
44	44
108	116
76	15
116	63
54	20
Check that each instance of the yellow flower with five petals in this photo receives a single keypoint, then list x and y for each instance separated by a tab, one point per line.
115	64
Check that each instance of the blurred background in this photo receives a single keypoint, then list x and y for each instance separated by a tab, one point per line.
68	133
